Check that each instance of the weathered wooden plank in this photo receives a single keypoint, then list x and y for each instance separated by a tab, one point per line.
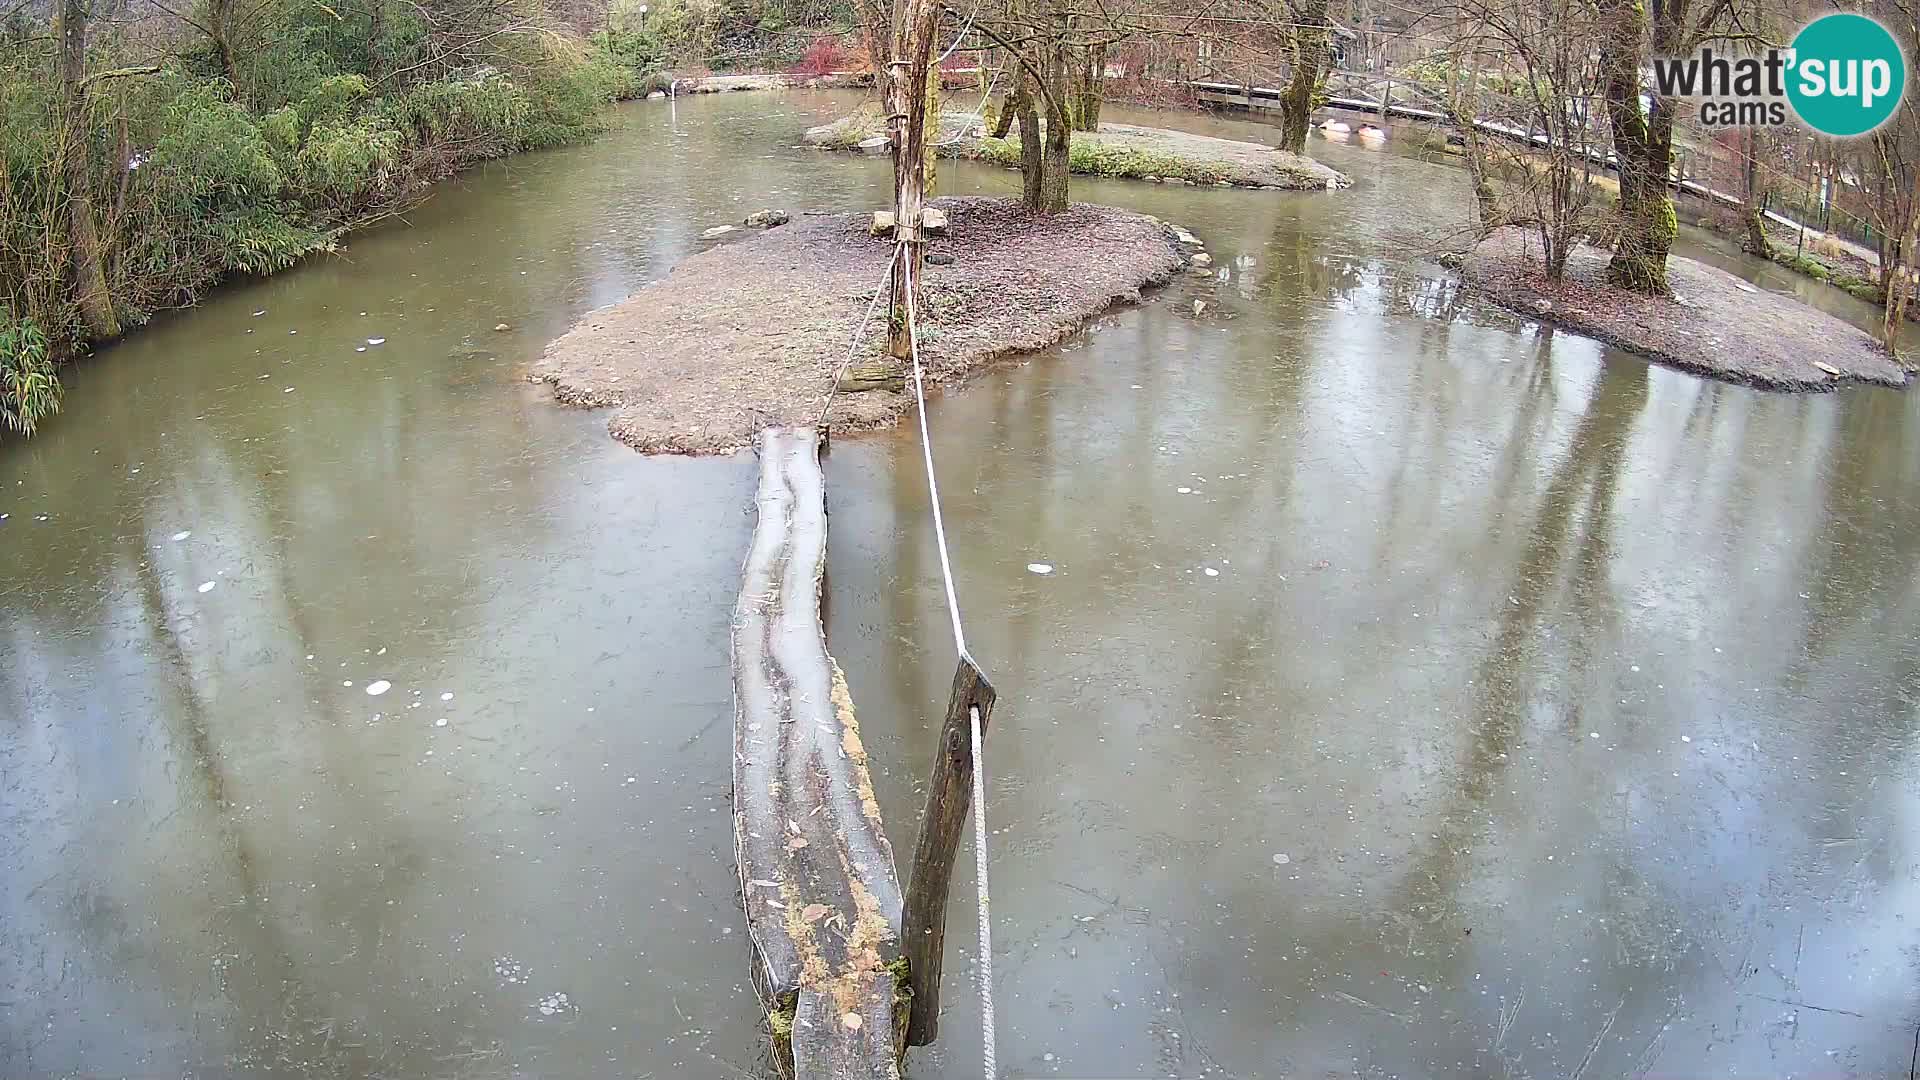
949	794
817	879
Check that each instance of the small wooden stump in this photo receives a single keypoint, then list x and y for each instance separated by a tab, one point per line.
878	375
816	871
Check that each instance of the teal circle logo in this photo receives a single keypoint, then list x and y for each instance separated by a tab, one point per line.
1848	75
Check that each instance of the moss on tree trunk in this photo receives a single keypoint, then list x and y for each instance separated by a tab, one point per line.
1309	62
1643	145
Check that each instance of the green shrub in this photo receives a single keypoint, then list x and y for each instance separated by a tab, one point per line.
29	389
348	161
213	149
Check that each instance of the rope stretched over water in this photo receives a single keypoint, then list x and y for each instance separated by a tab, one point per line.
960	646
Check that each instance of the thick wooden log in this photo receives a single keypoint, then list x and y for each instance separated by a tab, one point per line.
949	795
817	881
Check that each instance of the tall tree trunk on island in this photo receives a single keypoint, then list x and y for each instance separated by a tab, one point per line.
1644	146
1090	88
88	258
1059	134
914	128
1310	34
1896	273
1757	241
1033	165
999	112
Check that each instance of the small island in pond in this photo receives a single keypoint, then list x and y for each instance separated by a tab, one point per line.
1115	150
752	334
1712	324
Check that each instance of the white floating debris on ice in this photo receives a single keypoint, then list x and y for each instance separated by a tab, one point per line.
554	1003
181	535
207	586
378	687
1039	568
448	696
1211	572
1686	738
376	341
1593	734
1281	858
442	722
288	390
259	313
1184	490
362	348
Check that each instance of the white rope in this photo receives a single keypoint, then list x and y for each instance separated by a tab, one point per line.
960	646
834	387
980	878
964	31
926	447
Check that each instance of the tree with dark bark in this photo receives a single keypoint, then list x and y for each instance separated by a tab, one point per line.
1643	135
1310	35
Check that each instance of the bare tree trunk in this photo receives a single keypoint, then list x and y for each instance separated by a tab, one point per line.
1757	241
220	29
1309	61
999	111
89	267
908	74
1464	103
1090	89
1033	166
1896	274
1054	180
1644	146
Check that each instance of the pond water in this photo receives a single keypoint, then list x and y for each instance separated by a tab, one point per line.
1417	692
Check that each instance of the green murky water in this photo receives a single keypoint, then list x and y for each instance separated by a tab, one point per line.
1543	714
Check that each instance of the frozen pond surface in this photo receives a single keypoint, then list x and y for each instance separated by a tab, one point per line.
1389	688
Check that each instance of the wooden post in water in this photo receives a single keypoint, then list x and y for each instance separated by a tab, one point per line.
949	795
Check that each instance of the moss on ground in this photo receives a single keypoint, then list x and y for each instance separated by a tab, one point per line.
1098	159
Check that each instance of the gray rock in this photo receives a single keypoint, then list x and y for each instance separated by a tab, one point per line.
767	219
1201	258
656	95
939	258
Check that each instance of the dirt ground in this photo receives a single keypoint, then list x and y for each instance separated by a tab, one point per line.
751	333
1714	325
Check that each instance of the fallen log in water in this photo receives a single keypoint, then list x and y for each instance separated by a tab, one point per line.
817	879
